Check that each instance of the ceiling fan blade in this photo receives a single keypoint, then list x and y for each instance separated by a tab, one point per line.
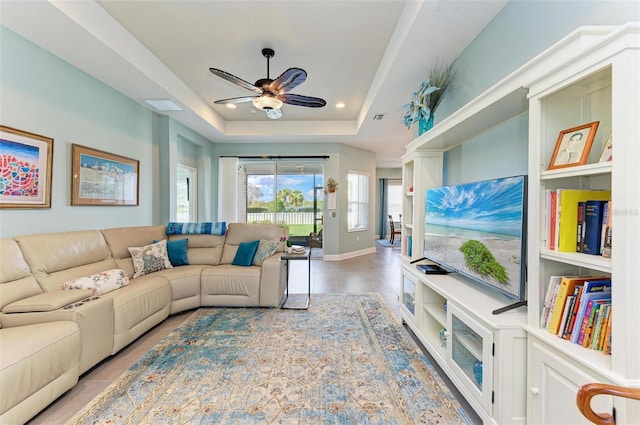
235	100
300	100
235	80
288	80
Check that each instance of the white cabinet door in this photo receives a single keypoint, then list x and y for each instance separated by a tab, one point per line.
553	387
469	349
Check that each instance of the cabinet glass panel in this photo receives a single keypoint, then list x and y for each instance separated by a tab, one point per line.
409	295
466	346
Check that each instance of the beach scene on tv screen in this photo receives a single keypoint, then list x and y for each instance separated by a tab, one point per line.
476	229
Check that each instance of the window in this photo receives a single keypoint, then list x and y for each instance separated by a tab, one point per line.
358	200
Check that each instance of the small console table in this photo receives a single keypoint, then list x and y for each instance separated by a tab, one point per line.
294	256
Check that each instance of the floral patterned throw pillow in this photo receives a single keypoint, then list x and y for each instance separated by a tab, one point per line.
99	283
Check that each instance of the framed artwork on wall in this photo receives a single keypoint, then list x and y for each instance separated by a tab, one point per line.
573	146
102	178
26	162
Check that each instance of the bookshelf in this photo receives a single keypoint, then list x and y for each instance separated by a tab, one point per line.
589	75
599	86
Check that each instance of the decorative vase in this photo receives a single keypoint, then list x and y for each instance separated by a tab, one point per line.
477	371
425	125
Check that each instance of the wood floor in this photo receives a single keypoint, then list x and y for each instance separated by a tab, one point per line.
379	272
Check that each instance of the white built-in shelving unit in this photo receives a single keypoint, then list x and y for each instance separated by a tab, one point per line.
529	375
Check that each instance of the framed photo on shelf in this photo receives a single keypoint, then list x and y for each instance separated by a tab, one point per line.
573	146
26	162
607	152
102	178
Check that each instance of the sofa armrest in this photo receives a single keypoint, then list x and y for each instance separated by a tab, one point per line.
47	301
95	319
272	281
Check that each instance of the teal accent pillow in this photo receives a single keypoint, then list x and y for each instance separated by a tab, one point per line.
177	252
246	252
266	249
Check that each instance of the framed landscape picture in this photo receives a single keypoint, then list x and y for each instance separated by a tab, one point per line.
26	161
573	146
102	178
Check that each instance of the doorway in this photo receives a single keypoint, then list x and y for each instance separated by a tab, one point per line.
287	193
186	194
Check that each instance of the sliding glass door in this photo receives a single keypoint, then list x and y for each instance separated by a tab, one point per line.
286	192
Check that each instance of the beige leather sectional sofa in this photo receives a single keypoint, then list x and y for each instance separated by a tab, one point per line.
49	337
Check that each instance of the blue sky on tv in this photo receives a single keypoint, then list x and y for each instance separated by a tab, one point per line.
494	206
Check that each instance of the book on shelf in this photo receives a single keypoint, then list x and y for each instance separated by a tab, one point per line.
566	288
568	305
606	343
594	289
549	299
571	314
566	215
593	213
597	332
606	246
553	214
603	225
588	323
580	225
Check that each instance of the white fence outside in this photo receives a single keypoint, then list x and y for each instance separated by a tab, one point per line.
288	218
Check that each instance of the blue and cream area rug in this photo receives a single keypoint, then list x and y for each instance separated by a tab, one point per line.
345	360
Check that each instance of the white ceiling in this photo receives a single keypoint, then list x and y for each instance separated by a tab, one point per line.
369	54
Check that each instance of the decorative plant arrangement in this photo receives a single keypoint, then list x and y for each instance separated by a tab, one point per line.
332	186
426	100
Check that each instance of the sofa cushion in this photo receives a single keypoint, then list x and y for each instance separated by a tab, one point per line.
203	249
246	252
39	363
55	258
266	249
99	283
16	280
246	232
119	239
177	252
150	258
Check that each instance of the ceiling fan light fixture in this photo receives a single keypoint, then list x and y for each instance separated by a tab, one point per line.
274	114
266	102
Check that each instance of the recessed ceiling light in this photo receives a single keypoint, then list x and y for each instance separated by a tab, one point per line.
340	105
162	105
231	105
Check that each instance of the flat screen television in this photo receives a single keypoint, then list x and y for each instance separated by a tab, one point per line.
479	230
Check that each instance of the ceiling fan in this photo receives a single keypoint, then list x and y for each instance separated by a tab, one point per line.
271	94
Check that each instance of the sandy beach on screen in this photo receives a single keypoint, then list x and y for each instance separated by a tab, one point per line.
506	252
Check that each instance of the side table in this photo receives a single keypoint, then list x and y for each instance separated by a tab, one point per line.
291	257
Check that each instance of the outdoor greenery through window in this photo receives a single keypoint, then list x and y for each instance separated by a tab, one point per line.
287	193
358	200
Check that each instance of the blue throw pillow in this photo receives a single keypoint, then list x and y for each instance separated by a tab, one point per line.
177	252
246	252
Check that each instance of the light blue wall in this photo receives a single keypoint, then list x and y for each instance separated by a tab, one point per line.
42	94
521	31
